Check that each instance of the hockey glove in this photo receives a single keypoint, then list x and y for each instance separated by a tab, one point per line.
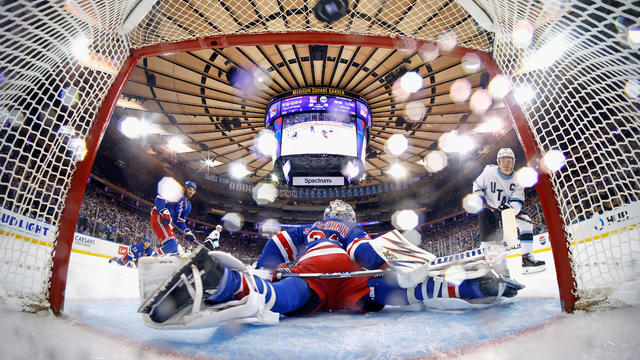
282	269
188	235
165	216
504	207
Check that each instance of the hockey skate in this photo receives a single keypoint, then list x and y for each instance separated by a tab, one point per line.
530	265
200	272
497	286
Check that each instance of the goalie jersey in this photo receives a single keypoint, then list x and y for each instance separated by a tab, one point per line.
497	189
287	246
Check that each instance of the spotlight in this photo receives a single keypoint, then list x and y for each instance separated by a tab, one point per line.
330	10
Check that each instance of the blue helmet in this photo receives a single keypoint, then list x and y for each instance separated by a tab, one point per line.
190	184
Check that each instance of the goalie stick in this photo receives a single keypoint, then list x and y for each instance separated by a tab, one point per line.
471	262
532	222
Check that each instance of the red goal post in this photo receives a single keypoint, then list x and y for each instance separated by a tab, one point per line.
78	185
63	66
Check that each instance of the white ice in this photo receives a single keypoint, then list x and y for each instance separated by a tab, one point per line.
101	323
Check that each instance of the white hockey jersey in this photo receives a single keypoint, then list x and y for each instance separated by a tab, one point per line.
214	237
497	188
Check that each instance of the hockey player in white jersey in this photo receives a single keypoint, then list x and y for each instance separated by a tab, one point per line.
498	188
213	240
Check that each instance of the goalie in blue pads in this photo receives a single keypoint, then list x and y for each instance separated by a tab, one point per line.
210	288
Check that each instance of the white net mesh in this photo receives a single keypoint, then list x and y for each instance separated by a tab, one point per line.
57	62
58	59
583	68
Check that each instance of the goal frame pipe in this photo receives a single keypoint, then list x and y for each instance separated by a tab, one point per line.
80	177
550	207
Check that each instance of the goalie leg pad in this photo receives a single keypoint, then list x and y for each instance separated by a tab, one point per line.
178	291
179	301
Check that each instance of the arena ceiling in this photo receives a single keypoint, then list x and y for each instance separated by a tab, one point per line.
190	94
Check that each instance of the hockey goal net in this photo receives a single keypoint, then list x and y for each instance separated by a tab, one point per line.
63	64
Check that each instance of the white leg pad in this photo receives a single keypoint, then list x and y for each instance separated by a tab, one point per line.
252	309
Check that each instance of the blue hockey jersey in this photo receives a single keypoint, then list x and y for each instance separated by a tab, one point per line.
137	251
288	245
179	210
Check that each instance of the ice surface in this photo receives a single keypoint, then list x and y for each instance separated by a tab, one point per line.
100	322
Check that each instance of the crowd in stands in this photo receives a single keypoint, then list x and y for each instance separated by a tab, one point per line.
111	216
114	217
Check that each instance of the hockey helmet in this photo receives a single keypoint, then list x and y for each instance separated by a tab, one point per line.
219	227
339	209
191	184
505	152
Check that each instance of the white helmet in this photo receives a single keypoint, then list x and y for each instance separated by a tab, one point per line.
219	227
339	209
505	152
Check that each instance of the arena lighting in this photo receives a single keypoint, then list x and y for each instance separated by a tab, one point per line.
170	189
524	94
522	34
266	142
131	127
264	193
69	96
490	125
473	203
480	101
545	56
527	176
413	237
397	144
238	170
435	161
499	86
405	219
397	170
553	161
411	82
329	11
232	221
80	48
78	148
271	226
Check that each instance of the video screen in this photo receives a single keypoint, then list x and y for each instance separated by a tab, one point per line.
319	133
328	103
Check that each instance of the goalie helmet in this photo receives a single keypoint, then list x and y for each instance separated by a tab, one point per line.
505	152
339	209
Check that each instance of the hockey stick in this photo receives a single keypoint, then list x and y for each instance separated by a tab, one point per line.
468	261
539	224
473	274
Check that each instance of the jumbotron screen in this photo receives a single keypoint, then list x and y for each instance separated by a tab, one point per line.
319	124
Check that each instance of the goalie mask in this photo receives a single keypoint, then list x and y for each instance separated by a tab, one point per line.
339	209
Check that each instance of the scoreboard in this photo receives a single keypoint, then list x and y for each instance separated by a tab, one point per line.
325	129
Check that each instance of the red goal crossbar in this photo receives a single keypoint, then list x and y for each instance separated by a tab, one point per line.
559	243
